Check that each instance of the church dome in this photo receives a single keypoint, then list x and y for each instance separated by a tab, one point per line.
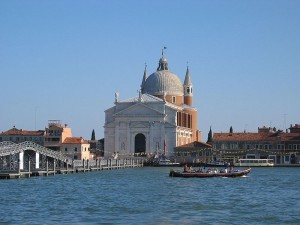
163	81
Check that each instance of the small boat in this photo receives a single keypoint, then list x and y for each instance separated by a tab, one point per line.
236	173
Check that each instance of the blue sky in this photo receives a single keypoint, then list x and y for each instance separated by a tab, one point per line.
65	59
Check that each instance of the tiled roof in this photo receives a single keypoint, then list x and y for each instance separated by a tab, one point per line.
256	136
195	144
20	132
75	140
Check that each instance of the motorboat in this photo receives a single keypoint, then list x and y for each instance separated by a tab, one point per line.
213	173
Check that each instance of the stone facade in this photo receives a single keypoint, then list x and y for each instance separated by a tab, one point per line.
156	121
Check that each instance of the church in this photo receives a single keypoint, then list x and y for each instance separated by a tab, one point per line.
159	119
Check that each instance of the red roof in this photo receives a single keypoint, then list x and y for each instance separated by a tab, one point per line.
195	144
20	132
75	140
280	136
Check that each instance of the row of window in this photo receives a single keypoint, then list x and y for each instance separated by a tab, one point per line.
20	139
52	139
184	134
75	149
235	146
54	132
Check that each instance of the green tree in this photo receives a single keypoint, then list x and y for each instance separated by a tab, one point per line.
209	136
93	138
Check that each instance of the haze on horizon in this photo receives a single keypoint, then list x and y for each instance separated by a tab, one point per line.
64	60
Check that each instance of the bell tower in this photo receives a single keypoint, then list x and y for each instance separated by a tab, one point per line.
188	88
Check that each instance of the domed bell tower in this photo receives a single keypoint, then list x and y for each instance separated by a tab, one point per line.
188	88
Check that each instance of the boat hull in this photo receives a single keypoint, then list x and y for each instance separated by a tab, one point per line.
208	175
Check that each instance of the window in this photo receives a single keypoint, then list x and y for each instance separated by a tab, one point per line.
247	146
75	149
188	90
266	146
66	149
280	147
270	147
233	146
173	99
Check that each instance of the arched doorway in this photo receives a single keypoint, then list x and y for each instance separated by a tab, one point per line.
140	143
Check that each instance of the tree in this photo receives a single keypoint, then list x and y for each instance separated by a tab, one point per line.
231	130
209	136
93	135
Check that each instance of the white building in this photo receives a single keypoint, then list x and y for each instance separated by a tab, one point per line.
76	148
159	119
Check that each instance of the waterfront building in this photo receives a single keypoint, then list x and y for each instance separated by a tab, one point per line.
160	118
76	148
55	134
282	147
19	135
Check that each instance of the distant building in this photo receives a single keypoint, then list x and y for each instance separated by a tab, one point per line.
282	147
55	134
194	152
55	137
18	135
76	148
160	118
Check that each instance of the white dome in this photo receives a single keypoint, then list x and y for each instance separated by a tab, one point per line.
161	82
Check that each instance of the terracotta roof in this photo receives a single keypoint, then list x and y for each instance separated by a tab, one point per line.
75	140
297	126
20	132
280	136
195	144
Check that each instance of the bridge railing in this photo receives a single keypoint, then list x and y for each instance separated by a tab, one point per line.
10	148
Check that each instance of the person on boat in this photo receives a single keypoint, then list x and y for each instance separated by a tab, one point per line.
185	168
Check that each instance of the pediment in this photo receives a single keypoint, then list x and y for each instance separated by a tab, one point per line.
138	110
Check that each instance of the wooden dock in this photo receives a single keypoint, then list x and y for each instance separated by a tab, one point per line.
84	167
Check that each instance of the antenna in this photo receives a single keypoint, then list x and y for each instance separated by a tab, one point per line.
284	121
35	118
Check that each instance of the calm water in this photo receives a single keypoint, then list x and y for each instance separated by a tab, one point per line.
149	196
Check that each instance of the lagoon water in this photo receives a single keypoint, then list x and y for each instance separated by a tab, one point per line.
149	196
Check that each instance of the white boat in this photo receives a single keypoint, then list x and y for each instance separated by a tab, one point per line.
167	162
254	162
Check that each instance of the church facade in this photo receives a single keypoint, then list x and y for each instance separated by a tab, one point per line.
159	119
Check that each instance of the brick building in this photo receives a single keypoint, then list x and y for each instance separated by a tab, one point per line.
282	147
18	135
